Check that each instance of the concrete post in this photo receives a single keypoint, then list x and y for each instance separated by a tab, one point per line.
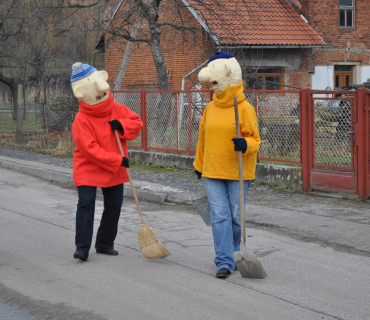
19	128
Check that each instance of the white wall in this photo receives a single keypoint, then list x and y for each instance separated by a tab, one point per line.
365	73
323	78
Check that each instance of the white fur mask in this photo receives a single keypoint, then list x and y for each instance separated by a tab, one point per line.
221	73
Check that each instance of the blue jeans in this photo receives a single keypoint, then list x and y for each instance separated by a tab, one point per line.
223	198
113	199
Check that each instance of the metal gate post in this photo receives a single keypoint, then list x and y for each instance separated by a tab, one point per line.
304	128
189	123
360	136
367	141
144	119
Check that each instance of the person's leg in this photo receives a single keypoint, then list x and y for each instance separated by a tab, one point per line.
107	232
233	192
85	218
221	223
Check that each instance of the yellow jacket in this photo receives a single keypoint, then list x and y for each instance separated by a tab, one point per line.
215	157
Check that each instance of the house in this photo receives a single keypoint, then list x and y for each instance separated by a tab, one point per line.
280	44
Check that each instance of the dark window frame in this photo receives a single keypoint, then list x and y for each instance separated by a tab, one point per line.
347	9
264	73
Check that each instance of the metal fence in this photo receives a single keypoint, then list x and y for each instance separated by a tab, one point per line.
171	120
334	133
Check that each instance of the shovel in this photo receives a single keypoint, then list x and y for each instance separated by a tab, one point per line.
248	264
201	204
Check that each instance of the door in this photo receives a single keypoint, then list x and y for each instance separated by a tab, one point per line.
343	76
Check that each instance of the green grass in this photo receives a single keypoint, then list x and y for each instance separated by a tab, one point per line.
150	166
333	160
282	163
8	125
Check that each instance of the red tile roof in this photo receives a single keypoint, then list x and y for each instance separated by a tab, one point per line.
255	23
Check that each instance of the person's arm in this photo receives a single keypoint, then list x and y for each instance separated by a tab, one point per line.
249	130
198	163
131	124
87	144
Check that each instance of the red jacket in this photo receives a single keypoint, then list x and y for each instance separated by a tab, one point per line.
97	158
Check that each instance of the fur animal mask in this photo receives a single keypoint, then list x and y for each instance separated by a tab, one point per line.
223	70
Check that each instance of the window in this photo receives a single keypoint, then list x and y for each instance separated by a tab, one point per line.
346	14
264	79
342	76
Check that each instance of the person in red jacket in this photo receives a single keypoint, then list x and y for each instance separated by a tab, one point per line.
97	161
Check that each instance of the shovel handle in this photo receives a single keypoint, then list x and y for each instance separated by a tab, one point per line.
241	178
129	178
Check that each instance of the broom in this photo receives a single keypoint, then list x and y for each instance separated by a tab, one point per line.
248	264
151	247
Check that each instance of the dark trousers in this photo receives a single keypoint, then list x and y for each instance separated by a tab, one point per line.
113	199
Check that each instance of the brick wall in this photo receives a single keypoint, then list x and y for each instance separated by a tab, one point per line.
182	52
346	45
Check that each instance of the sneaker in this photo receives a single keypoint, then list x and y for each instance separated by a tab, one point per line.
80	255
222	273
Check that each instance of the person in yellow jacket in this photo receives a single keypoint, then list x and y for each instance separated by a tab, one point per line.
217	158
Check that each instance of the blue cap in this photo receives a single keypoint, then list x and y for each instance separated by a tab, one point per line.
221	55
82	72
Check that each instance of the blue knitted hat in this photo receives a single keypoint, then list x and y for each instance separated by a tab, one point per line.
221	55
80	71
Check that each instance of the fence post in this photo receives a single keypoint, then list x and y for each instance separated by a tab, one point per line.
144	118
360	143
189	123
19	128
304	128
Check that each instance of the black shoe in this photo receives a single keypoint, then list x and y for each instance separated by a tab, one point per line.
236	268
109	252
80	255
222	273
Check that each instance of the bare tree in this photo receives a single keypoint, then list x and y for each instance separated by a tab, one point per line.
37	34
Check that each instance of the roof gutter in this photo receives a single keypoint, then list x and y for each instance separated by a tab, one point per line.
201	21
110	21
271	47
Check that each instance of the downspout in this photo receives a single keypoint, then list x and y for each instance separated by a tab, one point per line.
183	88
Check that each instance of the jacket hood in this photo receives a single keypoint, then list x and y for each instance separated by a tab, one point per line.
98	110
225	98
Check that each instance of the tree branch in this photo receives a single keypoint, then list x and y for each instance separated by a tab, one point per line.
70	5
178	27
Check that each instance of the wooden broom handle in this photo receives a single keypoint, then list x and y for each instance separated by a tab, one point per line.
129	177
241	178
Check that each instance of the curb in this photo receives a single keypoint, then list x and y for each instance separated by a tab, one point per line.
63	176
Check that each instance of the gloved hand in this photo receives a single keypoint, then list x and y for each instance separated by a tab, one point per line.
124	162
115	125
199	174
240	144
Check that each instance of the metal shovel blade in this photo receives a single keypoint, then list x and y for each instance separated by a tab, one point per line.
200	202
248	265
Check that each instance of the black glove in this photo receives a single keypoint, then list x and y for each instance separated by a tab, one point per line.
115	124
240	144
125	162
199	174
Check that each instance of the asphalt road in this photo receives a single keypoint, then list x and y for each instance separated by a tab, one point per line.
39	279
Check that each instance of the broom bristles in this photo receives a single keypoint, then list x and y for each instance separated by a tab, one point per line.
151	247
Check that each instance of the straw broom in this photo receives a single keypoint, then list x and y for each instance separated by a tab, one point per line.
150	245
